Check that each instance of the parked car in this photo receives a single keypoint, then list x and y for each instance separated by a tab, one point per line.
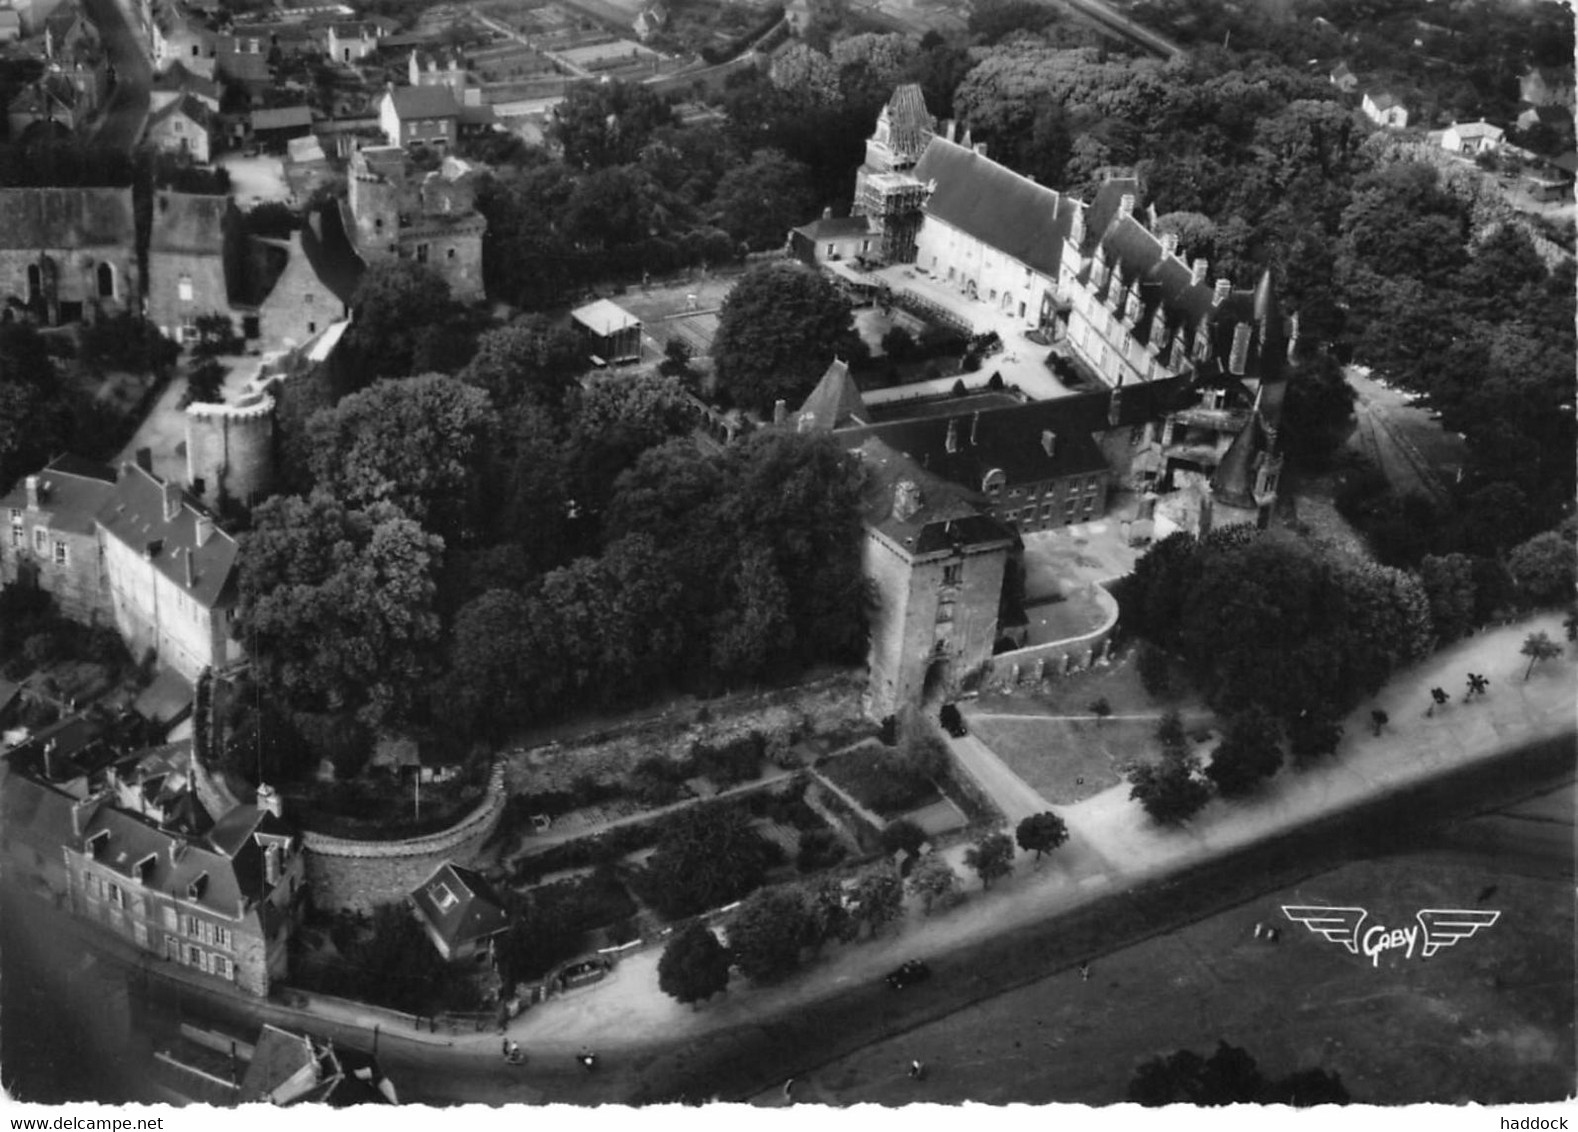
908	973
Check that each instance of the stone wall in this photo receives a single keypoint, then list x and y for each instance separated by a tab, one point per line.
1042	662
363	874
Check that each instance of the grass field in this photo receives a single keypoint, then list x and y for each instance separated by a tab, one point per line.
1067	760
1489	1020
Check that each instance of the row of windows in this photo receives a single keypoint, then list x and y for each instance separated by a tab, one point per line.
41	544
1028	514
1070	486
193	956
116	899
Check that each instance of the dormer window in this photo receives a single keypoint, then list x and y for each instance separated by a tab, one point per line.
97	843
145	868
198	885
992	483
444	897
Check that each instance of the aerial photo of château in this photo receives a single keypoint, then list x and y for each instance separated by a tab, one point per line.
787	554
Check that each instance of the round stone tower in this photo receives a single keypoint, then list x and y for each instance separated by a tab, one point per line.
230	450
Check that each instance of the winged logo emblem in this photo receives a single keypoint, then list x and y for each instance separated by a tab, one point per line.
1339	925
1445	926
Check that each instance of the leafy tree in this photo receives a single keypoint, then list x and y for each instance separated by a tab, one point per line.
35	410
991	857
1169	789
1041	833
758	202
933	880
395	304
527	360
1306	1088
1311	735
694	966
877	898
708	857
1538	647
205	381
902	835
676	360
1247	755
605	124
776	333
1100	708
1378	720
1317	410
898	344
1449	587
540	938
1155	669
827	916
767	933
1171	735
500	664
336	606
1545	568
1570	624
1228	1076
417	443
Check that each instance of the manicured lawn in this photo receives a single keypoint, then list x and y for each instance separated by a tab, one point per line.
1065	761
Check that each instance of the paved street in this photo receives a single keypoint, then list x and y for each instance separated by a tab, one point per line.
127	114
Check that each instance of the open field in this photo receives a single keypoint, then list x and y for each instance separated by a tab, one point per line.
1488	1020
1068	760
657	306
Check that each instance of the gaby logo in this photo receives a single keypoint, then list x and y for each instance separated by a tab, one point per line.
1437	928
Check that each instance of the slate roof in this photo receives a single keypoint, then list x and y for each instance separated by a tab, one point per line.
424	102
327	248
948	517
1009	438
188	223
222	871
35	813
604	318
834	227
1383	101
243	66
1480	129
288	1069
995	205
187	105
459	906
66	218
835	401
73	492
178	78
134	514
282	118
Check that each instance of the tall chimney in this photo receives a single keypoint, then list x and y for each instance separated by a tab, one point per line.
951	442
780	411
1126	204
975	421
35	493
205	530
186	557
1169	243
1197	271
145	459
172	501
1224	287
1049	442
268	800
980	149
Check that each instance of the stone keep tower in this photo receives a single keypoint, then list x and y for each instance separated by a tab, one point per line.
375	200
230	450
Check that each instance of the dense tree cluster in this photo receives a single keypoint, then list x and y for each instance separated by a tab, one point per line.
1228	1076
1268	620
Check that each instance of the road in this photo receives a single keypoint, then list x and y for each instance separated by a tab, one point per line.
127	113
1411	449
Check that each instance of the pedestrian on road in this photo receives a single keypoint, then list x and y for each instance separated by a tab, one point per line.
504	1047
1084	971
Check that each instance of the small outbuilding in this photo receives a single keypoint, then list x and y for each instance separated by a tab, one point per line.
612	334
460	910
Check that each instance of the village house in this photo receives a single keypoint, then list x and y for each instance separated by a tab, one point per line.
242	60
67	30
288	1069
461	912
273	128
184	127
52	101
612	334
651	20
69	254
177	82
438	68
157	566
351	43
830	238
1385	110
179	34
395	211
1343	78
419	116
1471	138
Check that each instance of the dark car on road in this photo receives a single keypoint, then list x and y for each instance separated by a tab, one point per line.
908	973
